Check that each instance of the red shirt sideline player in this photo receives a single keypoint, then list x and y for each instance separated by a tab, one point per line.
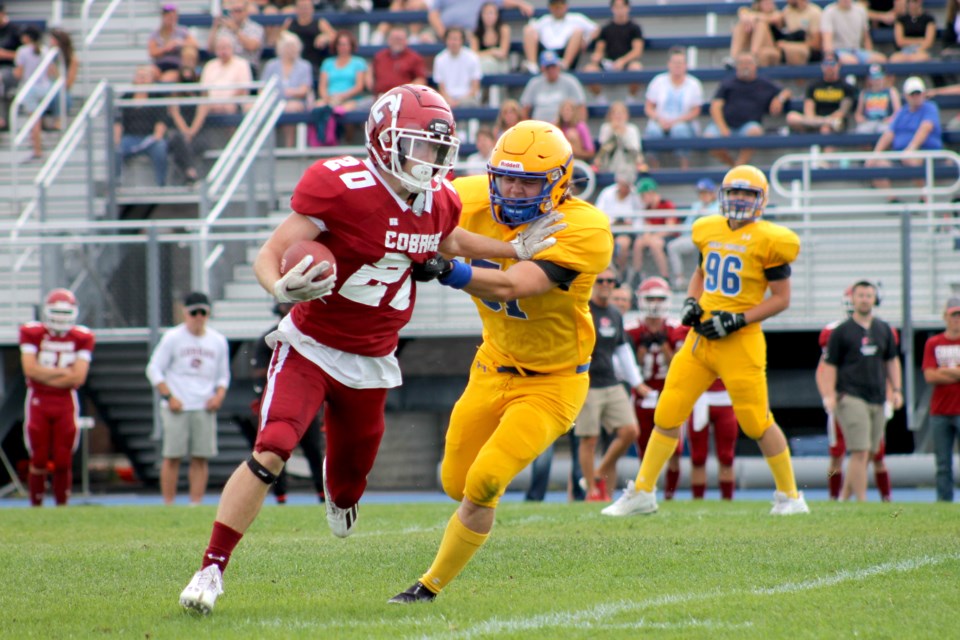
384	218
55	355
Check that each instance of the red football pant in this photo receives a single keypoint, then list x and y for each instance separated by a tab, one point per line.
51	437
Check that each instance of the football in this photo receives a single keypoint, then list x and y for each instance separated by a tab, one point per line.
296	252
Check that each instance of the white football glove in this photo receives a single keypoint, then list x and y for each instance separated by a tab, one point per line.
297	284
536	237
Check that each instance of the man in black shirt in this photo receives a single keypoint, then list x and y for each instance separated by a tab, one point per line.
860	356
619	46
607	406
828	102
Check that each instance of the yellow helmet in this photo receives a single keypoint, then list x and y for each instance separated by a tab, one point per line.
743	178
529	150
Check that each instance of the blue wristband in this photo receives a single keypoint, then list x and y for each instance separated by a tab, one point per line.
460	275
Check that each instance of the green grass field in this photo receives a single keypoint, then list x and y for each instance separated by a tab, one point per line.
549	571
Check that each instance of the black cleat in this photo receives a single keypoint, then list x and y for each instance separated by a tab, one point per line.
416	593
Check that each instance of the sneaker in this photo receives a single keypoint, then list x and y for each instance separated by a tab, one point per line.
632	502
416	593
341	521
783	505
204	589
602	488
530	67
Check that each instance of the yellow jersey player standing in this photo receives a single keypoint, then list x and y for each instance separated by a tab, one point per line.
529	378
741	257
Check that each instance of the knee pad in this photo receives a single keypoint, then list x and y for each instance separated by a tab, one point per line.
263	474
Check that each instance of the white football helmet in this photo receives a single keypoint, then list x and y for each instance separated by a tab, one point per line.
654	296
413	123
60	311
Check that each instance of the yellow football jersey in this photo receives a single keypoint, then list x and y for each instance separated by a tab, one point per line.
552	332
734	262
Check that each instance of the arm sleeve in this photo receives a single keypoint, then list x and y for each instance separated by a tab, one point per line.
158	361
628	364
561	275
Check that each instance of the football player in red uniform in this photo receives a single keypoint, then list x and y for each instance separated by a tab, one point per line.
55	355
838	447
657	338
383	217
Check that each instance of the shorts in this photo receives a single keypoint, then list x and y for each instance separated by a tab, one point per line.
606	407
189	432
713	132
862	55
863	423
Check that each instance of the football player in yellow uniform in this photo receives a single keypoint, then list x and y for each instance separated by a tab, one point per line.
741	257
529	378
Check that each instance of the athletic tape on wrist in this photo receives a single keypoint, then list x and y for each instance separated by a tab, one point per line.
460	275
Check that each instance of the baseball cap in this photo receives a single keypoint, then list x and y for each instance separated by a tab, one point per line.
913	85
706	184
548	59
953	304
646	184
168	8
876	71
196	299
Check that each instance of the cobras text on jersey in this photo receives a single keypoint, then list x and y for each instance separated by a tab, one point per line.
55	350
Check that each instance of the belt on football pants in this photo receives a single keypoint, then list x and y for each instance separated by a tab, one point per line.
517	371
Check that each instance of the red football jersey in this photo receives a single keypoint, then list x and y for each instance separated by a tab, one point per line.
653	364
55	350
375	237
941	351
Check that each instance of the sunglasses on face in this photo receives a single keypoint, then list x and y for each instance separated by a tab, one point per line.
197	312
606	281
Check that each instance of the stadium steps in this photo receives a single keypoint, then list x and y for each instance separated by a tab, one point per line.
118	386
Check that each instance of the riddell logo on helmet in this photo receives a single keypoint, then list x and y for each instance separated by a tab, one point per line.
511	164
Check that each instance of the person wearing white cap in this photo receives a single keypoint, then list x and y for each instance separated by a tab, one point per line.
915	127
941	368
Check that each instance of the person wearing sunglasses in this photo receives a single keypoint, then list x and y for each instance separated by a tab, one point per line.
190	369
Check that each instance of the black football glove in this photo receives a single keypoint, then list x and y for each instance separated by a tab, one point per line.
722	324
432	268
690	312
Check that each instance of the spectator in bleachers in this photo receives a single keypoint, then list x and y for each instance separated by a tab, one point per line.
876	104
418	34
187	139
915	127
543	94
9	42
752	32
739	105
295	78
619	47
166	43
27	61
490	39
316	34
247	36
914	34
705	205
61	40
951	32
950	90
673	104
510	114
142	130
827	104
652	240
565	33
884	13
456	70
622	204
271	32
570	121
190	63
477	161
397	64
344	77
846	33
223	70
797	40
467	14
620	144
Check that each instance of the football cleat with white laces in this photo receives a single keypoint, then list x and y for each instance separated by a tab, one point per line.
784	505
341	521
632	502
204	589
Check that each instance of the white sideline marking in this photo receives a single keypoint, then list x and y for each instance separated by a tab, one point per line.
595	616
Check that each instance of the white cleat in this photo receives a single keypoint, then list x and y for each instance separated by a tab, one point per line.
784	505
204	589
341	521
632	502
